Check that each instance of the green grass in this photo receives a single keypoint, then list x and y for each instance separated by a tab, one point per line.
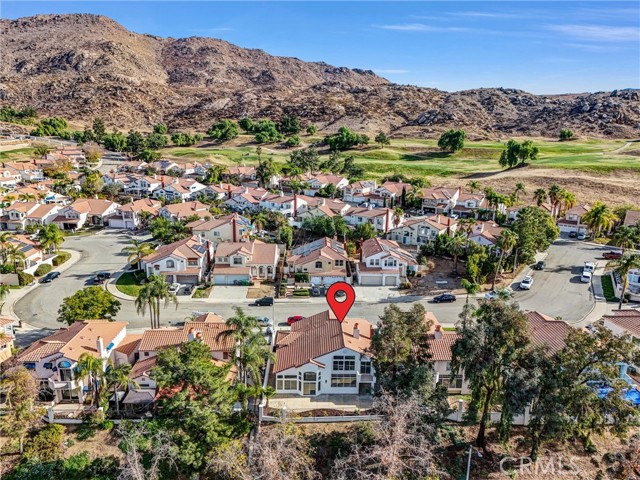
607	288
129	283
17	154
202	292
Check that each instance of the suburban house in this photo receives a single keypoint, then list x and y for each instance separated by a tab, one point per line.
572	221
7	336
485	233
468	205
227	228
439	199
85	212
240	262
513	212
418	231
279	202
359	192
392	191
325	260
631	218
129	216
304	203
143	186
182	189
20	215
626	322
164	166
30	248
381	218
9	178
133	166
185	261
181	211
28	171
245	198
53	360
240	173
321	355
383	262
318	181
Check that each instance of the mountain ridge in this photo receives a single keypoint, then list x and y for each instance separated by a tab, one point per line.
81	66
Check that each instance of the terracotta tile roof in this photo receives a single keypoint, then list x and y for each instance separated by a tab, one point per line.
578	210
627	319
22	207
5	321
185	248
207	225
142	205
143	367
6	339
396	187
186	209
259	253
42	211
440	348
209	332
94	206
206	317
79	338
318	335
632	217
547	332
129	343
374	246
368	212
438	193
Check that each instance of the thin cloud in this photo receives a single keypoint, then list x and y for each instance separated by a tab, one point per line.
486	15
604	33
588	47
420	27
390	71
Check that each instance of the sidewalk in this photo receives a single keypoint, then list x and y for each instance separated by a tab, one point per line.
110	286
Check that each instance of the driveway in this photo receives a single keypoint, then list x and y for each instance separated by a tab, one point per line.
227	293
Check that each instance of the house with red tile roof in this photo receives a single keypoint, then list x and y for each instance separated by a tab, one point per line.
383	262
321	355
180	211
359	192
382	219
439	199
20	215
237	262
225	228
185	261
7	336
182	189
485	233
625	321
418	231
325	260
85	212
572	220
128	216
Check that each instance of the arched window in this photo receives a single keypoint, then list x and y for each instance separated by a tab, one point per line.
171	264
318	264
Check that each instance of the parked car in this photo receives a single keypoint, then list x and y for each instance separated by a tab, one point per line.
586	277
573	234
103	275
444	297
501	293
263	302
188	290
294	319
49	277
540	265
174	288
582	236
264	321
589	267
612	255
526	283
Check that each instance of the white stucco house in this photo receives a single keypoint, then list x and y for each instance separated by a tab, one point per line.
383	262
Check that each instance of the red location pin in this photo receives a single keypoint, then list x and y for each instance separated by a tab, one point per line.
341	308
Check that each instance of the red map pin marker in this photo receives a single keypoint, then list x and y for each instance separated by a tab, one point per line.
341	308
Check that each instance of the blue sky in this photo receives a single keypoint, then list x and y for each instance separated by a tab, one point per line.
541	47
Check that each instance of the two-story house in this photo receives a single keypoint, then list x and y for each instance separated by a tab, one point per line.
359	192
384	262
321	355
53	360
239	262
419	231
85	212
9	178
28	171
164	166
485	233
315	182
181	211
185	261
381	218
142	186
226	228
240	173
391	192
325	260
468	204
439	199
572	221
182	189
129	216
241	199
279	202
19	215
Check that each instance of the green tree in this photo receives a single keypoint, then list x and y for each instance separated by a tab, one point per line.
626	238
382	139
137	250
195	402
492	339
42	150
156	141
474	186
51	127
118	377
160	129
185	139
362	232
456	246
289	125
566	134
345	139
312	129
150	296
22	414
265	171
540	196
116	141
506	242
90	303
266	132
98	129
516	153
246	124
626	264
148	155
536	230
46	444
135	142
284	235
306	159
50	237
293	141
599	218
452	140
223	130
519	190
92	184
94	368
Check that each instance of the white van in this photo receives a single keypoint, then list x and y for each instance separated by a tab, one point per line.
589	267
586	277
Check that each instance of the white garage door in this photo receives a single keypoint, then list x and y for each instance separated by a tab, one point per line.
228	279
370	280
326	280
390	281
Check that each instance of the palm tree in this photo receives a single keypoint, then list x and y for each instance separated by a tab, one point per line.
26	197
518	191
144	301
259	220
599	218
456	246
94	368
474	186
554	197
465	225
4	243
506	243
14	255
398	213
470	287
4	291
159	290
626	237
119	376
540	196
137	250
50	237
625	264
145	217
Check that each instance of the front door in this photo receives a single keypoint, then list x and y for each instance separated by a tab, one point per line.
309	383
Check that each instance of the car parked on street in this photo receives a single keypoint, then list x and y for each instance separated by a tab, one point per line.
540	265
573	234
502	293
582	236
263	302
444	297
589	267
49	277
526	283
612	255
586	277
294	319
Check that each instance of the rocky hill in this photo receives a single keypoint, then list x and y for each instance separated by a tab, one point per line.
83	66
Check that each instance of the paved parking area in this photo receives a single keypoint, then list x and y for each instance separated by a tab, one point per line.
228	293
375	294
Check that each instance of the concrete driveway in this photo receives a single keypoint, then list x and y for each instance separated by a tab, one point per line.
228	293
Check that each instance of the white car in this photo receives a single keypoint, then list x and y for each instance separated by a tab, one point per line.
526	283
589	267
503	293
174	288
585	277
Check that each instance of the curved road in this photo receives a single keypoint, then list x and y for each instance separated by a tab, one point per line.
557	291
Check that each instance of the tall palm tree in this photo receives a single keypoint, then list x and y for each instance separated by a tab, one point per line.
540	196
465	225
50	237
470	287
4	243
14	256
4	292
137	250
26	197
119	376
599	218
568	200
398	213
456	246
259	220
554	197
506	243
474	186
626	238
93	367
159	290
145	217
626	264
519	190
143	301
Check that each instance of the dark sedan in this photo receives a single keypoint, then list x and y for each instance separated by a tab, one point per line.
445	297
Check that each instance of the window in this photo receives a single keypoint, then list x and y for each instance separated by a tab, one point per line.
29	365
448	366
237	260
146	354
309	376
318	264
342	362
226	355
192	262
216	233
365	367
156	267
447	382
339	263
171	264
343	380
287	382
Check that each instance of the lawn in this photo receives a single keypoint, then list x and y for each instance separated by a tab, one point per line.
607	288
129	283
16	155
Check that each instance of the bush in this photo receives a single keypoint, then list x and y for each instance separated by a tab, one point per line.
405	285
302	277
61	258
607	288
46	444
24	278
43	269
301	293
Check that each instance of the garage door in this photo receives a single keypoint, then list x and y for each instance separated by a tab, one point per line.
370	280
228	279
390	281
188	279
326	280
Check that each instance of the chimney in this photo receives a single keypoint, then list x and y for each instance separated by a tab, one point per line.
438	332
281	193
100	347
370	332
356	331
228	190
322	202
387	218
199	336
438	219
370	206
190	335
233	227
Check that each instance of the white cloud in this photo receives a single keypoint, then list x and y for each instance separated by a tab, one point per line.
420	27
487	15
598	32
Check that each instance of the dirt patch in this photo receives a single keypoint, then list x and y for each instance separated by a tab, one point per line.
102	444
261	290
439	278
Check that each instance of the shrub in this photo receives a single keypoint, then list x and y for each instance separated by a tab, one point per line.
46	444
301	293
43	269
24	278
405	285
302	277
607	288
61	258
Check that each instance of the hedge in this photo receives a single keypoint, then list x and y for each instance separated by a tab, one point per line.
61	258
24	278
607	288
43	269
301	293
46	444
302	277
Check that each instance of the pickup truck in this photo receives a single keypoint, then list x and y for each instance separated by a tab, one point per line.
612	255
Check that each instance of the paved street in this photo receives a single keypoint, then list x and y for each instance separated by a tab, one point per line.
556	291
